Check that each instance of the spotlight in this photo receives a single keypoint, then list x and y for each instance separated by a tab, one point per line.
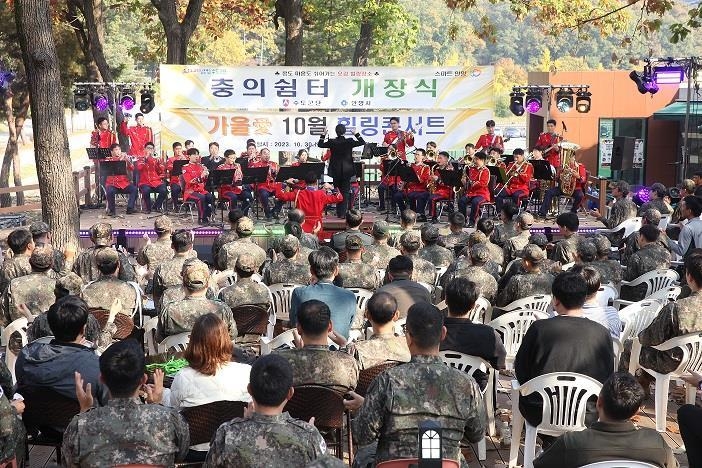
81	100
533	100
147	101
101	102
645	81
127	100
668	74
516	102
583	101
564	100
6	77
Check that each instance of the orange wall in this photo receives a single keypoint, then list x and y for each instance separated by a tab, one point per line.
614	95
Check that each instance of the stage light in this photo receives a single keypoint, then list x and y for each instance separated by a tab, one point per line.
81	100
564	100
147	101
516	102
645	81
641	196
533	100
668	74
6	77
127	100
583	101
101	102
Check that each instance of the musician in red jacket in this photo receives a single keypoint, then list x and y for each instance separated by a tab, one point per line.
115	184
400	138
490	139
440	191
268	188
549	140
519	174
174	180
477	184
138	135
311	200
416	192
234	192
151	178
102	136
194	177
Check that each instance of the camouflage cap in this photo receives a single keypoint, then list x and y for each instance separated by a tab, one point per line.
533	253
42	257
289	244
538	239
196	276
381	229
245	226
163	224
38	228
477	237
353	242
106	256
71	283
410	240
430	233
480	253
246	263
101	233
525	220
603	244
457	219
652	216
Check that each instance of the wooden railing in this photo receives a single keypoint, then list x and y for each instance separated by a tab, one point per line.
601	185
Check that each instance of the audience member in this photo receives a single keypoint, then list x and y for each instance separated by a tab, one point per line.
157	252
532	282
354	273
379	254
432	252
63	261
689	419
408	222
227	235
650	216
508	228
565	250
658	201
85	266
245	291
622	209
476	269
291	268
457	238
400	285
108	287
168	273
610	269
517	243
33	293
423	271
487	228
226	259
21	245
649	257
354	219
605	315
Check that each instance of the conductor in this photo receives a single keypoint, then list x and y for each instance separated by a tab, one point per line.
341	163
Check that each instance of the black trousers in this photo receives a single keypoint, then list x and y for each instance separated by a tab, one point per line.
344	186
690	423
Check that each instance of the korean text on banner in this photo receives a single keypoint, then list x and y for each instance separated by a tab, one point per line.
255	88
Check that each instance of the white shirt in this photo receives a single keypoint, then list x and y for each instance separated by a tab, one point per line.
608	317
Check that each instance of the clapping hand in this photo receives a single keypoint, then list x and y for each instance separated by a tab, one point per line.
154	392
83	394
353	401
115	309
249	410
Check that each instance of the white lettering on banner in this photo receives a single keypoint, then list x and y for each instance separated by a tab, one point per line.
194	87
290	131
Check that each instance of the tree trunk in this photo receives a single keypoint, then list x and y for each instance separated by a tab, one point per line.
95	30
178	33
91	69
11	158
51	152
293	32
363	45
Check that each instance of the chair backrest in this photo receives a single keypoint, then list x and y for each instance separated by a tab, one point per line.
665	295
138	313
362	296
656	280
630	226
638	316
414	462
149	330
482	306
46	408
540	302
250	319
380	275
399	328
691	347
282	294
620	464
439	273
322	403
663	223
366	376
17	326
178	342
203	420
285	338
564	395
465	362
618	348
606	293
513	326
567	266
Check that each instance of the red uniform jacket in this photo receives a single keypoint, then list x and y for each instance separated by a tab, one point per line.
270	184
521	180
194	180
151	172
423	172
169	165
487	141
401	140
119	181
102	139
547	140
238	175
444	191
139	135
311	201
481	182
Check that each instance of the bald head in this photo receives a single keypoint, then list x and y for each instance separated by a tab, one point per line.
381	308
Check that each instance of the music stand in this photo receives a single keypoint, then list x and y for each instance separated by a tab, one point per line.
499	173
451	178
542	169
98	153
178	166
243	161
300	172
407	174
390	168
377	151
216	179
252	176
114	168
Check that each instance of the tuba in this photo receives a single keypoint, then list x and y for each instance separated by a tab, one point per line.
569	173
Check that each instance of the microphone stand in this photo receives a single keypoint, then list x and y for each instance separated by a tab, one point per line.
386	177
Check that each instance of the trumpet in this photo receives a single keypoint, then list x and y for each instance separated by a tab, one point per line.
392	154
431	154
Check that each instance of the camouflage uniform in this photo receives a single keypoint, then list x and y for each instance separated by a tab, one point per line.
514	245
265	441
179	317
12	432
155	253
453	239
423	271
101	293
357	274
125	432
317	365
483	279
379	255
221	240
632	245
648	258
178	293
397	402
231	251
565	250
326	461
35	290
527	284
658	204
245	291
379	349
436	255
676	318
14	268
622	210
167	275
86	268
286	271
504	232
610	271
394	240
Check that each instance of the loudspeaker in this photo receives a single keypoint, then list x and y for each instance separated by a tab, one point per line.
623	153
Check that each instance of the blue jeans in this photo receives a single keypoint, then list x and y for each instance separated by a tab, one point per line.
161	191
263	196
474	203
111	191
204	203
557	192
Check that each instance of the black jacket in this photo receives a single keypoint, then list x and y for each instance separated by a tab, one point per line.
341	161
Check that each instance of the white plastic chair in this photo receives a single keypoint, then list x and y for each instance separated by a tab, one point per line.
282	295
618	349
541	302
399	327
285	338
655	281
20	326
428	286
629	226
439	273
665	295
691	347
380	276
362	296
567	266
663	223
606	293
620	464
513	326
178	342
470	364
564	395
139	303
482	311
149	330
